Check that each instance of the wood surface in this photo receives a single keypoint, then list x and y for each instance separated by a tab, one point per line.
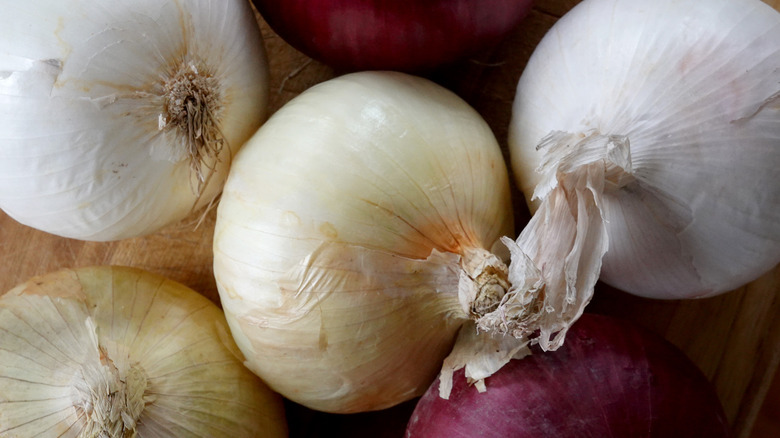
734	338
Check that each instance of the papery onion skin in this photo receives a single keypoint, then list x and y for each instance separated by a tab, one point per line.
66	335
610	378
339	237
694	88
119	118
410	36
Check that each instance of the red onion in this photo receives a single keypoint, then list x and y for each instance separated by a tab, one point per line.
391	34
610	379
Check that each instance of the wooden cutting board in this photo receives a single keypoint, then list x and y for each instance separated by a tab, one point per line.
734	338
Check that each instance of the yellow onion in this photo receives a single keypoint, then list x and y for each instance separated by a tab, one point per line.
354	235
121	352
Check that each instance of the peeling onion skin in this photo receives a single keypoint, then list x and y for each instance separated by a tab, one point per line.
339	236
120	118
120	352
695	89
610	378
411	36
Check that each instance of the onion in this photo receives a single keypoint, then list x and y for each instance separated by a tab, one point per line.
120	352
679	102
611	378
351	241
120	118
392	35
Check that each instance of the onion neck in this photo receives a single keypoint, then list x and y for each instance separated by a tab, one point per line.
483	282
109	400
192	103
556	260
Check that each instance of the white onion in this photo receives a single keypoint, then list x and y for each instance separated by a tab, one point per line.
692	91
90	91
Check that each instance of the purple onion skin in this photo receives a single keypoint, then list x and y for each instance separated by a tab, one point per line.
609	379
412	36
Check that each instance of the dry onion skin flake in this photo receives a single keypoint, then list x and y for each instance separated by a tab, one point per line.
120	352
118	118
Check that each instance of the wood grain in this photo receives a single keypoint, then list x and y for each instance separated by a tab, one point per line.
734	338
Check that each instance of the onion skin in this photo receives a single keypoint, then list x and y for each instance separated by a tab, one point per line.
392	35
610	378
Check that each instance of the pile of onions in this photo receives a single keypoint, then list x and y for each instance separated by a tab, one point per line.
121	352
392	35
118	118
368	222
611	379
